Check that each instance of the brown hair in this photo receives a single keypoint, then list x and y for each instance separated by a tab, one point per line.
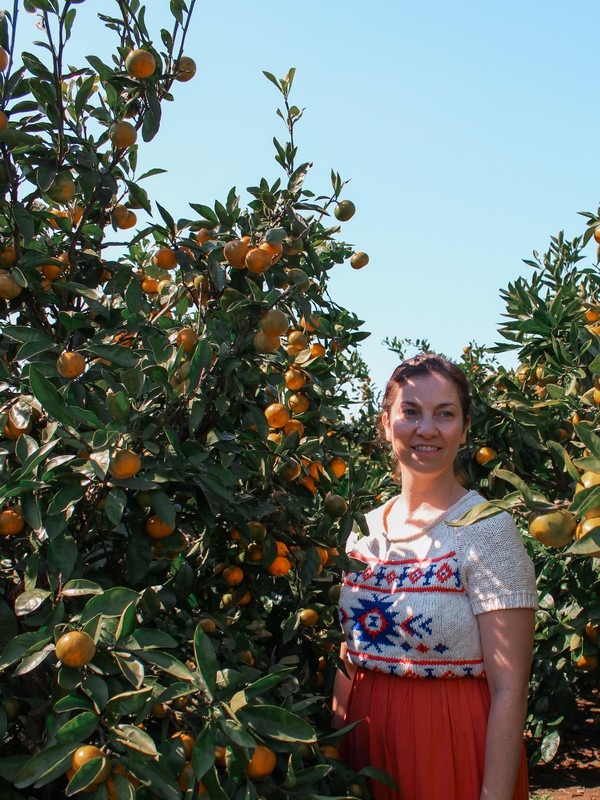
425	364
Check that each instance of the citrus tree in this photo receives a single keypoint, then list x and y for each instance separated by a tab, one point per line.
175	449
534	450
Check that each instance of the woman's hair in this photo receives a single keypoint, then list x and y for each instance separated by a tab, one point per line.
425	364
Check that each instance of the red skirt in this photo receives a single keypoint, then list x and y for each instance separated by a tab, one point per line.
429	735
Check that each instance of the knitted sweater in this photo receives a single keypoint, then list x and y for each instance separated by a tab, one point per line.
416	616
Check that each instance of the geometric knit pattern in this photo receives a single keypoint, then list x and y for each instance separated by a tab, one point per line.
415	617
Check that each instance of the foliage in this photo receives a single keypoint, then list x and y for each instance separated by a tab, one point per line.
145	499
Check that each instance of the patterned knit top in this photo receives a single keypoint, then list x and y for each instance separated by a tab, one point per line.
415	616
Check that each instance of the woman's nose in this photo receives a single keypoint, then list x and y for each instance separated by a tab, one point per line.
426	425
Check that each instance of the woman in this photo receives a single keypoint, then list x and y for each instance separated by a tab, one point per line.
450	604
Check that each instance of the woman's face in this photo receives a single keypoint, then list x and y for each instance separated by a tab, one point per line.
425	424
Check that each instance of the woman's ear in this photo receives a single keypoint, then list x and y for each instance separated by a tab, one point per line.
385	421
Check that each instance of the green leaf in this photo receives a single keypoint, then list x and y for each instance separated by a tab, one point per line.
588	545
131	667
152	115
80	587
166	662
127	703
134	738
23	645
206	659
30	601
277	723
45	766
111	603
482	511
79	728
86	776
48	396
203	754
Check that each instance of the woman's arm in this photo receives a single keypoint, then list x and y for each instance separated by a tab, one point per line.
341	690
507	643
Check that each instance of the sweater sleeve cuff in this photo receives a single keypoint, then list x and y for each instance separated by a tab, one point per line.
513	600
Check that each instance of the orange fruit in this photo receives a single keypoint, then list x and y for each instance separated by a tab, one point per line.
257	261
75	649
591	632
3	59
86	753
587	663
317	350
597	233
122	134
298	403
309	484
275	250
337	466
11	521
256	530
187	741
554	528
592	314
294	426
123	217
62	188
262	763
277	415
3	121
185	69
297	339
311	324
150	285
187	338
290	471
274	322
124	464
52	271
165	258
11	431
323	554
156	528
204	235
70	364
344	210
280	565
235	252
208	625
265	343
140	63
308	617
335	505
233	575
294	378
485	454
329	751
359	260
8	256
298	279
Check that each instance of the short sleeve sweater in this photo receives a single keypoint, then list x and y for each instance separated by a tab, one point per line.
416	617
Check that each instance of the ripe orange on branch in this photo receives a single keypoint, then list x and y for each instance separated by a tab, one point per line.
274	322
485	454
122	134
124	464
277	415
359	260
235	252
156	528
75	649
185	69
187	338
70	364
344	210
165	258
11	521
262	763
554	528
140	63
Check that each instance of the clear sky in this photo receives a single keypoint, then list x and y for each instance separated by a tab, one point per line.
469	131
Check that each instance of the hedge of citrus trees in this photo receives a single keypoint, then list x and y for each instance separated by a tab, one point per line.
174	448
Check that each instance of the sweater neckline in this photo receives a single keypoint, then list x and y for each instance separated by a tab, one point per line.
426	528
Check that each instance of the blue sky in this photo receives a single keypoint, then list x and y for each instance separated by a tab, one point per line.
468	130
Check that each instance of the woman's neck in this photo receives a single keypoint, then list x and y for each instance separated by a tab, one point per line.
435	494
